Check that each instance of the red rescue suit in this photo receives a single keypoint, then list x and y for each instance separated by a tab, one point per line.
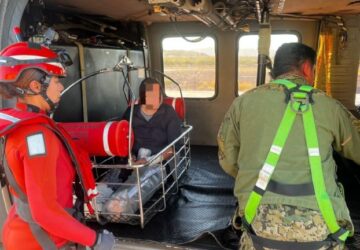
45	174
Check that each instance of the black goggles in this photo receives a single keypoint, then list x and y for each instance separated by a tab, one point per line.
64	57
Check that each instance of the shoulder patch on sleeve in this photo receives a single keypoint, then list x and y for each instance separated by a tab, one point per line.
36	144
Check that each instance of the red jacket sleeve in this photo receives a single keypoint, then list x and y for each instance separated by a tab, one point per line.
41	188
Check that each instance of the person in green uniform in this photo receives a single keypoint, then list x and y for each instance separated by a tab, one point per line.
277	141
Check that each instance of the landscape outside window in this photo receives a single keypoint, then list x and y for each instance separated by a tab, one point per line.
248	54
191	64
357	98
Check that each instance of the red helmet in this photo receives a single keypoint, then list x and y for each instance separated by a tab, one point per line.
17	57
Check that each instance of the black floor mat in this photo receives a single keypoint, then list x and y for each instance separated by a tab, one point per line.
203	207
204	203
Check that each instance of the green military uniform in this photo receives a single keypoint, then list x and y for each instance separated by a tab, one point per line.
245	138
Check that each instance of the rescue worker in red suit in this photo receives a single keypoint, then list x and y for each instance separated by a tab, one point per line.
39	158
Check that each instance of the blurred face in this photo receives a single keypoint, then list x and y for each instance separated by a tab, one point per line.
152	96
54	90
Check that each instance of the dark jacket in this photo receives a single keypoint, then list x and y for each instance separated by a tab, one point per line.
158	132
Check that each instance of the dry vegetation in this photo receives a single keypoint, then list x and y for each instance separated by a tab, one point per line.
196	71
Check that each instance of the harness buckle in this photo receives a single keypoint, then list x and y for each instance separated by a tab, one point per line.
245	226
302	98
335	237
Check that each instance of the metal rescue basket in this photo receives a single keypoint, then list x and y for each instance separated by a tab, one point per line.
145	192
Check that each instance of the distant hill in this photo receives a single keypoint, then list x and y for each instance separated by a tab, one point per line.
252	52
210	53
184	58
184	53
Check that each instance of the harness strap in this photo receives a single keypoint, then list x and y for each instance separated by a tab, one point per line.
299	101
79	187
45	82
317	176
23	209
72	157
270	163
9	175
291	189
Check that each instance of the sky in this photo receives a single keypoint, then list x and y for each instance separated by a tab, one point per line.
246	42
251	41
178	43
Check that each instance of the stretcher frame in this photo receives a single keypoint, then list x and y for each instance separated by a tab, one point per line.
178	163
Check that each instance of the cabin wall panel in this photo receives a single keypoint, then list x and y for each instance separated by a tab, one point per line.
345	65
206	115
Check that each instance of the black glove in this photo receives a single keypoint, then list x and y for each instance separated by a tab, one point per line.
105	241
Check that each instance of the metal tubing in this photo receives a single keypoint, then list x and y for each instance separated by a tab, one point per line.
263	46
83	83
105	70
140	199
261	69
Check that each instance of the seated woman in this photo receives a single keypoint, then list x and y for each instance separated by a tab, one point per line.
155	126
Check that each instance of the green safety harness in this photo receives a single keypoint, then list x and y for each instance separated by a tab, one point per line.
299	102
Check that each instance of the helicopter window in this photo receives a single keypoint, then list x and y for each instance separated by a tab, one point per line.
192	63
248	54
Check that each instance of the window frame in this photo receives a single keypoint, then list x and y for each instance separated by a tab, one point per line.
357	85
216	87
273	32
